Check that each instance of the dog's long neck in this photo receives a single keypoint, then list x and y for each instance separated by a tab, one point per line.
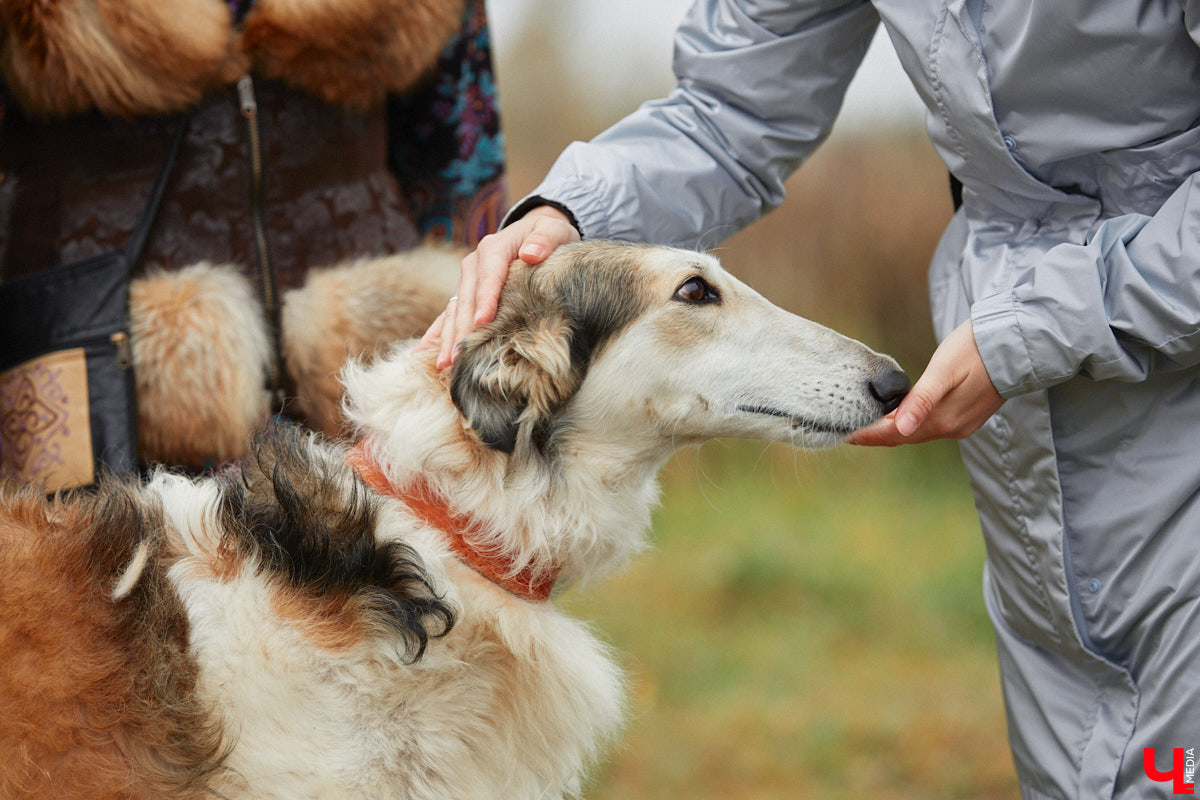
578	516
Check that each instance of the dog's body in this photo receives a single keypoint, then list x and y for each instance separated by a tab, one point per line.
282	631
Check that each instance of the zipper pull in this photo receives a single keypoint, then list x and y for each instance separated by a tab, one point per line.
120	340
245	90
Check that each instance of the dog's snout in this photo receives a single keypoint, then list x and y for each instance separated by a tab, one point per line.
889	388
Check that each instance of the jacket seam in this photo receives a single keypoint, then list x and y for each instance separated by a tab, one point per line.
935	79
1023	519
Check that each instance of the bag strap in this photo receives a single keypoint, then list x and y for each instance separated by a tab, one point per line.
137	239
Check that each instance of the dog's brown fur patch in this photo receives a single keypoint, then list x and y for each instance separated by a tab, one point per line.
309	526
330	624
684	330
95	693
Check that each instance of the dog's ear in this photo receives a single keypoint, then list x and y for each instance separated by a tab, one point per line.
513	376
515	371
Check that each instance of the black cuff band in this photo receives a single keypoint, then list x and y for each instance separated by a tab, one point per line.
530	203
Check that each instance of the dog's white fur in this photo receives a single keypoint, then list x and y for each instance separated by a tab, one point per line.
676	376
517	699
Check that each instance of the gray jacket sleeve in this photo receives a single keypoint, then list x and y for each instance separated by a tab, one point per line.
759	85
1120	307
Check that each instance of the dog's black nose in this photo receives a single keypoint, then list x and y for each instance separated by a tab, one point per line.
889	388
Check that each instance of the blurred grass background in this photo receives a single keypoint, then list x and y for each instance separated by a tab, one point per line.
806	625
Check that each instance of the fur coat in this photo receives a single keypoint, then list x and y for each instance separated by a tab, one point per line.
321	134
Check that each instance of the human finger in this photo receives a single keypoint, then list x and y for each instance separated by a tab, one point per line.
433	333
919	403
442	328
880	433
447	333
495	259
464	310
550	228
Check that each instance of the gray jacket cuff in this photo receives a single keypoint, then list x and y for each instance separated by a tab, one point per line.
996	323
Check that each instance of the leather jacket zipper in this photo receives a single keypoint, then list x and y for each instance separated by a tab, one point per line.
249	104
120	341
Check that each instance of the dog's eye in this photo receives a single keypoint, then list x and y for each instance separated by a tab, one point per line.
697	290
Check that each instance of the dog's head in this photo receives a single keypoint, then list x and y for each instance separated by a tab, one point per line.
618	340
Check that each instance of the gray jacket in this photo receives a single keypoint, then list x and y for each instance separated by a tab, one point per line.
1074	126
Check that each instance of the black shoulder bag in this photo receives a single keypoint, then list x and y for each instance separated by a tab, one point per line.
67	401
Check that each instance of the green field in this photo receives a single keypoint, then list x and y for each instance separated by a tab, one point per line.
806	625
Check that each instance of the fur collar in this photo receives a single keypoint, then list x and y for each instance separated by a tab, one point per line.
136	57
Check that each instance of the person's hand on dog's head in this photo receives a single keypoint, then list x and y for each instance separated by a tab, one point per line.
532	238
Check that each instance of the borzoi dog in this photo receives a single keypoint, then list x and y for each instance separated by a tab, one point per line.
375	622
